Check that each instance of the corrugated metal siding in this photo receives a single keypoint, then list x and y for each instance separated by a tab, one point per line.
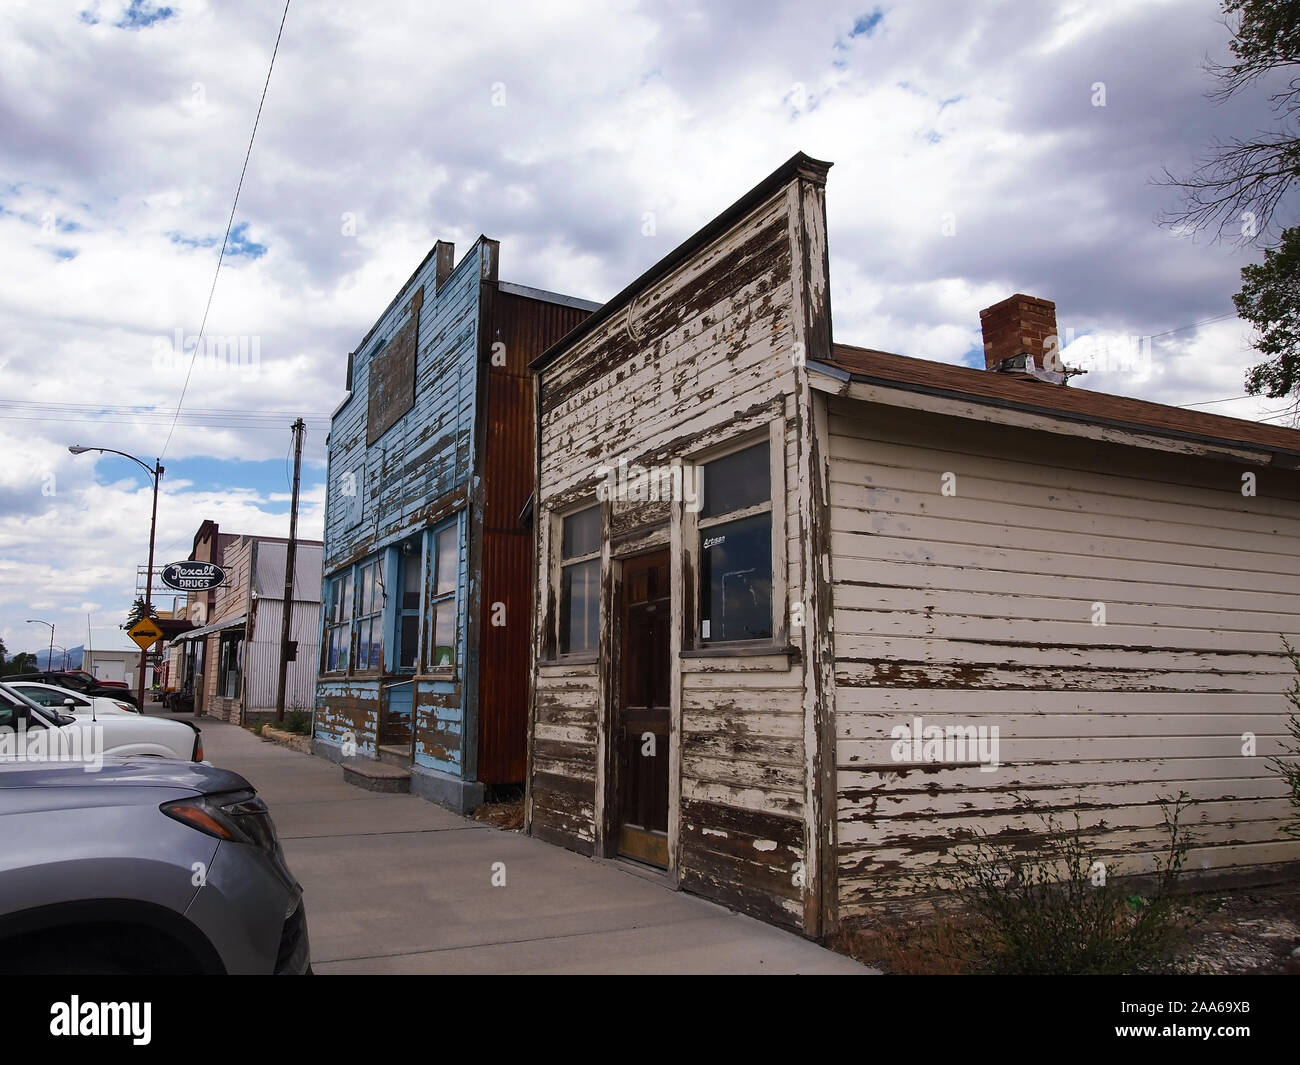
976	609
526	328
262	656
268	581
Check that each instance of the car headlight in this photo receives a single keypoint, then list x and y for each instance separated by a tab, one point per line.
125	706
235	816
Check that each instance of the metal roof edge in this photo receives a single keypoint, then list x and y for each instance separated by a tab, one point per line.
546	296
216	626
1071	416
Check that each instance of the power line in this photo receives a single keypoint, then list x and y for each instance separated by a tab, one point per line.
1193	325
123	408
229	223
112	414
1209	402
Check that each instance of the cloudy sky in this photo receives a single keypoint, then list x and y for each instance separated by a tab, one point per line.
980	149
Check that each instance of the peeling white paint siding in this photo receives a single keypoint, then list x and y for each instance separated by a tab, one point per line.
702	357
975	609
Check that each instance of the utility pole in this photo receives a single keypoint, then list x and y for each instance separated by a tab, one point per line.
290	564
148	580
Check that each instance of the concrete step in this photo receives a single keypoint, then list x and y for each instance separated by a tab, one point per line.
377	776
398	754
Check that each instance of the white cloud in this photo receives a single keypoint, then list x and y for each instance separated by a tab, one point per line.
122	148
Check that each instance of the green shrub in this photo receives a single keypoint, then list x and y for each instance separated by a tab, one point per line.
296	721
1050	903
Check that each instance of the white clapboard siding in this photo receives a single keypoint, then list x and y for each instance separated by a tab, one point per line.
701	358
563	763
977	609
686	383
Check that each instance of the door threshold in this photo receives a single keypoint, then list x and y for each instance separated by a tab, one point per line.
645	872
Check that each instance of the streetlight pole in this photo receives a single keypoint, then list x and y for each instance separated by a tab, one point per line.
155	473
49	659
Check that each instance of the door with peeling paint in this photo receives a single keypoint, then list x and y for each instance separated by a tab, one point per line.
641	725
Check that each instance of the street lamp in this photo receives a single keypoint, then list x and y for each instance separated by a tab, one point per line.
156	473
65	656
49	661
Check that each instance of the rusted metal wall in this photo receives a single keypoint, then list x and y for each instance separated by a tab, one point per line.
705	354
977	608
519	329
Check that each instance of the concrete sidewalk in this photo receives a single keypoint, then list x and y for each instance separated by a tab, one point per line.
394	884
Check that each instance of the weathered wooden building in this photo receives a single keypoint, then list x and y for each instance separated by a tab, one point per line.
424	657
764	560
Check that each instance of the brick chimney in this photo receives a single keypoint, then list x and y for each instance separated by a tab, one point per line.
1019	325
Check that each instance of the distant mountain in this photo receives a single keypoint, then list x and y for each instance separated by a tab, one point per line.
73	658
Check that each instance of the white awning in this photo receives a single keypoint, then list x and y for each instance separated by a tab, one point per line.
218	626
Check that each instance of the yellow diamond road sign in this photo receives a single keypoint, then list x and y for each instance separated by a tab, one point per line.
145	632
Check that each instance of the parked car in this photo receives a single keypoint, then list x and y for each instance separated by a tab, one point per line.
78	681
143	867
71	702
101	681
119	734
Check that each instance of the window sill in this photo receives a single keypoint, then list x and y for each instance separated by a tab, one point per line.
587	658
744	650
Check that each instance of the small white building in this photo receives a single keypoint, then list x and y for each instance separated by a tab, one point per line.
121	664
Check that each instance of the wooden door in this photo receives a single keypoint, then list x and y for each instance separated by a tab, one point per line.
641	716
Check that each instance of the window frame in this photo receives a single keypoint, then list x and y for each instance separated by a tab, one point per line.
376	616
561	564
695	531
436	599
334	623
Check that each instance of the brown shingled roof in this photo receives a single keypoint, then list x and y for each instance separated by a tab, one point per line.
1025	393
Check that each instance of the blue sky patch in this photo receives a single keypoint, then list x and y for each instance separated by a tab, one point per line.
240	246
192	242
141	14
64	254
865	25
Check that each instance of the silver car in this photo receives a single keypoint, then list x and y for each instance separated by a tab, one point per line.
142	866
